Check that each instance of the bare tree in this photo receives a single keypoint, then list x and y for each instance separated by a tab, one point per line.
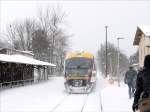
60	49
112	60
51	20
20	34
47	27
40	44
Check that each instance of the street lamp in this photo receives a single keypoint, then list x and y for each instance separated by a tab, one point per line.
106	50
118	59
110	63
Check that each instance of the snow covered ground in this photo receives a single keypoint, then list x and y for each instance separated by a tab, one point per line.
51	96
116	99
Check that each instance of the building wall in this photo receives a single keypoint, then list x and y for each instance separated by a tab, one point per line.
144	49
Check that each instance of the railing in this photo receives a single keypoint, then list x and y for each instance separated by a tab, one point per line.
15	83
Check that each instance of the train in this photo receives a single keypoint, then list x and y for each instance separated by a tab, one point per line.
79	72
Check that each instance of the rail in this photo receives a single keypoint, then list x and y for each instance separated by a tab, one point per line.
58	104
11	84
84	103
64	99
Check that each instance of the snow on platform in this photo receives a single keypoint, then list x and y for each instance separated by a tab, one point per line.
33	98
116	99
43	97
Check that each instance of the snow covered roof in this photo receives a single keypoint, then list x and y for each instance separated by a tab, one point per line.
14	51
29	52
23	60
142	29
145	29
135	64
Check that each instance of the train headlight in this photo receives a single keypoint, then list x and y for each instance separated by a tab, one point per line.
78	83
68	75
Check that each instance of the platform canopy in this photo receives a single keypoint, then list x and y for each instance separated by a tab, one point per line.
23	60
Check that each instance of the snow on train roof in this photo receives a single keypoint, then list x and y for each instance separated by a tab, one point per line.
23	59
79	54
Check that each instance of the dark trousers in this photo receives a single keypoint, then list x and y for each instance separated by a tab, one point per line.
130	90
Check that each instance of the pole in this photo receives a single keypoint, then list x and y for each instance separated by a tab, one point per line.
118	63
118	67
106	50
111	64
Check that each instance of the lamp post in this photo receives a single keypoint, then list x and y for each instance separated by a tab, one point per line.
118	60
110	62
106	51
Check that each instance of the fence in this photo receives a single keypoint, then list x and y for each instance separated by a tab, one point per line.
12	84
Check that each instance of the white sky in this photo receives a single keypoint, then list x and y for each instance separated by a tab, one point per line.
86	20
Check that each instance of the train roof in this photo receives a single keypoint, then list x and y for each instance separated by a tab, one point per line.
79	54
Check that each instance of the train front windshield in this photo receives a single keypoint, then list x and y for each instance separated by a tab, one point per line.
78	66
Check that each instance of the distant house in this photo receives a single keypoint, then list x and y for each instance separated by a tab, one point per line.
142	39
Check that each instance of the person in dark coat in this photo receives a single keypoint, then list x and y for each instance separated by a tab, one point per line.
129	79
143	88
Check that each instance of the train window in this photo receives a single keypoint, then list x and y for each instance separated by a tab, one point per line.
78	63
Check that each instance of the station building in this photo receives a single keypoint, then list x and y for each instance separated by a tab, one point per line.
142	40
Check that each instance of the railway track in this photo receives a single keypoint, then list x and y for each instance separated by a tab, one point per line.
85	100
65	99
58	104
